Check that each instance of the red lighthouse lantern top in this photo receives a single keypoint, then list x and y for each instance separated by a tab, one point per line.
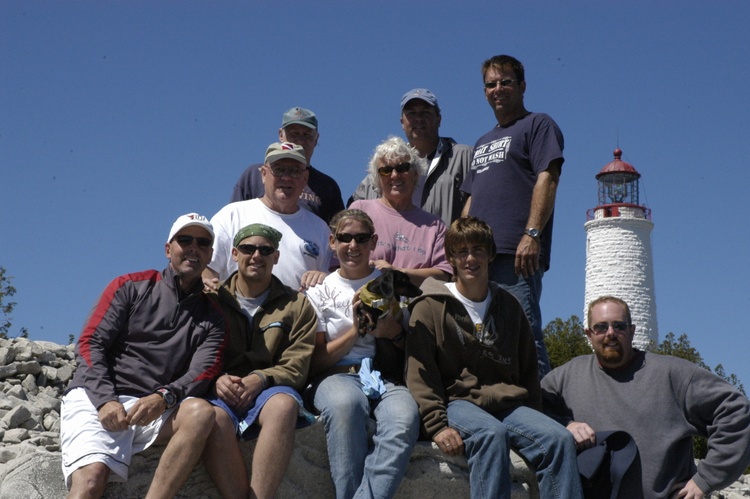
618	166
618	187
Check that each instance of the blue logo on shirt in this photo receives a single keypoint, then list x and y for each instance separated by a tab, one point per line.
311	248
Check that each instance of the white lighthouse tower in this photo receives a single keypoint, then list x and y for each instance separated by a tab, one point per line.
619	261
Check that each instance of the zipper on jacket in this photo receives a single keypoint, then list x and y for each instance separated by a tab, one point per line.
175	314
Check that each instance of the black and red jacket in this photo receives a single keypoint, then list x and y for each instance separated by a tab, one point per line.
144	333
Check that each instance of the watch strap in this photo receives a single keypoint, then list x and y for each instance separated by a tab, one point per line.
532	233
170	399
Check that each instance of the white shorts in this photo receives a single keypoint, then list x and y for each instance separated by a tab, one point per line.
84	440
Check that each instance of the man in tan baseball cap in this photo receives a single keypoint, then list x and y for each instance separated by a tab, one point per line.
304	247
321	195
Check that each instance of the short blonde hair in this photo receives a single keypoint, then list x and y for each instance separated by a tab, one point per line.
358	215
608	299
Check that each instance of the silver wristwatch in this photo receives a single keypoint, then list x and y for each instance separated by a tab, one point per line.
532	232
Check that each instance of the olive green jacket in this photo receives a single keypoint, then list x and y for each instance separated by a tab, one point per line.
280	343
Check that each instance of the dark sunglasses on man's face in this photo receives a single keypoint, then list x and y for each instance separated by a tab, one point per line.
617	326
250	249
203	242
385	171
363	237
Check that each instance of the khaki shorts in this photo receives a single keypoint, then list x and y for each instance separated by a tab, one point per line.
84	441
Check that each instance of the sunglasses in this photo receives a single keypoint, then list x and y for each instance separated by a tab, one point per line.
505	82
617	327
343	237
250	249
385	171
203	242
282	171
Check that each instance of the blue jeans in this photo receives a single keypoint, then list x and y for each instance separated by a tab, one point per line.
528	291
359	469
546	444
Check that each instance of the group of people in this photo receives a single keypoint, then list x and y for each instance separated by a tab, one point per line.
253	330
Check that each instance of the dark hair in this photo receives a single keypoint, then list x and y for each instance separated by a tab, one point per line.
502	62
608	299
469	231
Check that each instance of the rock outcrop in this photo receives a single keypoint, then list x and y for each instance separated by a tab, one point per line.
37	475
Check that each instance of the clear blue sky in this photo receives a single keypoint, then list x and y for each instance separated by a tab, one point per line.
117	117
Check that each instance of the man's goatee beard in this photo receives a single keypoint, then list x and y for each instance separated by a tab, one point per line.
611	354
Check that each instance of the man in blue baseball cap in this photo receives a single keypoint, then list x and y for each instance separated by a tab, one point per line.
447	162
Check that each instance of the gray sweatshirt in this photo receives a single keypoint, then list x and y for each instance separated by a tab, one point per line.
662	402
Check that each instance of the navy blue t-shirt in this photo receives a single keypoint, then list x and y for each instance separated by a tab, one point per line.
507	161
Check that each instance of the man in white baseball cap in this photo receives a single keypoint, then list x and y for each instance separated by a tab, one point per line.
151	345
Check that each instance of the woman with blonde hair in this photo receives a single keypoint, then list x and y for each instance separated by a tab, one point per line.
356	378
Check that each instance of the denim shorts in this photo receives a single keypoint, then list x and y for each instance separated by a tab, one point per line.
244	424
